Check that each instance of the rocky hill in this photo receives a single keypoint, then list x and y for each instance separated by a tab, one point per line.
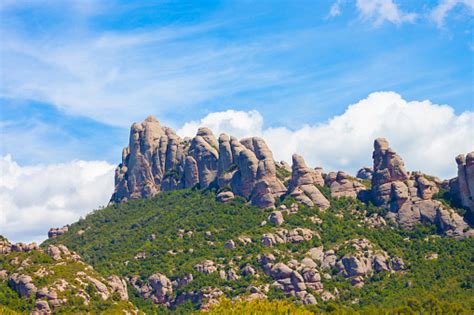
55	279
157	159
217	225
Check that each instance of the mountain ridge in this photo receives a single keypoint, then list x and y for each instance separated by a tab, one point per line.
157	159
216	224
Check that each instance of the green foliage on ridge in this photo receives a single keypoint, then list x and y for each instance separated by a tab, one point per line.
114	235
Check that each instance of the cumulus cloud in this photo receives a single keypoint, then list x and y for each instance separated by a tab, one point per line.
439	13
428	136
35	198
237	123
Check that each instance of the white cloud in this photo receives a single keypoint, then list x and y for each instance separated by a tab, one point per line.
335	9
427	136
35	198
376	11
439	13
131	74
380	11
237	123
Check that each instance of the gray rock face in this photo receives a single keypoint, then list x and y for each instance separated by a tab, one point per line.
276	218
342	185
162	288
55	232
206	267
191	172
118	285
22	284
156	159
409	197
302	185
152	158
41	308
464	185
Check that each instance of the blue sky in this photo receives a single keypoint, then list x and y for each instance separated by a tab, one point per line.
305	75
292	61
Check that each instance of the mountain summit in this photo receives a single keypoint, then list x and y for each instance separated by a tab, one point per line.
157	159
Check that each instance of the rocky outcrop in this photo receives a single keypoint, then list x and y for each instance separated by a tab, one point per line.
206	267
225	196
156	159
55	232
342	185
365	173
282	236
408	197
276	217
162	288
118	285
463	187
303	184
50	277
362	261
6	247
22	284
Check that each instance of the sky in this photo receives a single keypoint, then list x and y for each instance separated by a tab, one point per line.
320	78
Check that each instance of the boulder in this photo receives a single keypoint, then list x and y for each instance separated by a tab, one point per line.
225	196
101	288
162	288
118	285
281	271
206	266
41	308
22	284
276	218
230	244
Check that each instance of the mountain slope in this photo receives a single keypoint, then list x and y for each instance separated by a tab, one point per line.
55	279
151	239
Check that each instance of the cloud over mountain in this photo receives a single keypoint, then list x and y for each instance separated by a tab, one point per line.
428	136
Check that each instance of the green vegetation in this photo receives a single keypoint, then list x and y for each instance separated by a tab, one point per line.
114	235
281	173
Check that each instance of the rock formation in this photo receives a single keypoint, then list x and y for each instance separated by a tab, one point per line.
342	185
365	173
303	184
463	187
408	197
50	283
157	159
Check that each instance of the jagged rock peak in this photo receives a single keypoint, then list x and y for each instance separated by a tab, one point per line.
463	187
409	197
303	184
157	159
388	165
